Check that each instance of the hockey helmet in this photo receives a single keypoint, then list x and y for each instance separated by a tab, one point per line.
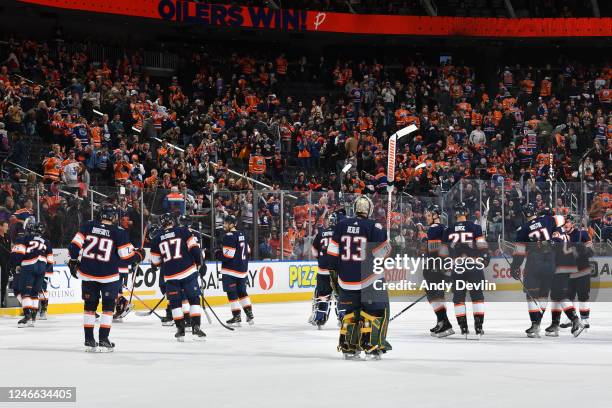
167	220
108	212
363	206
460	209
529	210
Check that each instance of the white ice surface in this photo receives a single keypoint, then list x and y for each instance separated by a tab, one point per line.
284	362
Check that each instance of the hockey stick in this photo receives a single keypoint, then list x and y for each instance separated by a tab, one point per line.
391	156
520	279
215	314
408	307
146	306
142	313
203	301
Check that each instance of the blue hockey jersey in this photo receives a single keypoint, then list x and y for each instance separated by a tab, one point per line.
102	250
319	249
354	245
463	238
435	235
236	250
30	249
541	229
178	252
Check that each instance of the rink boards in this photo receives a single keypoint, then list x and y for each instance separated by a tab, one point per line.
274	281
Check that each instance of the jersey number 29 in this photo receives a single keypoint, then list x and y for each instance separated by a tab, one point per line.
97	248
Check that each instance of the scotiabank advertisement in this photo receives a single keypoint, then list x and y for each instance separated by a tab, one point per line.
279	278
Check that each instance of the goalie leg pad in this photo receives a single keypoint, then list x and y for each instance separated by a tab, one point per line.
321	310
374	331
350	334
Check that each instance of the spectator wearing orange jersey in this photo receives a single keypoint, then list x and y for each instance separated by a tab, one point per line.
257	164
122	168
52	166
401	116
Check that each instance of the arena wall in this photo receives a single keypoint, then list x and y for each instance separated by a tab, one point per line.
271	281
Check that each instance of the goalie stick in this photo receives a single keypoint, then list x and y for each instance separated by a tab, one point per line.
391	158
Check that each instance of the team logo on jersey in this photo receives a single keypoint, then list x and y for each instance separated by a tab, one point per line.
266	278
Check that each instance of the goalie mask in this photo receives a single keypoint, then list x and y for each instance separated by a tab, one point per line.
363	206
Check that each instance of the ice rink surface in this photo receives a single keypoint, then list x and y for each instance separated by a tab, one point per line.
284	362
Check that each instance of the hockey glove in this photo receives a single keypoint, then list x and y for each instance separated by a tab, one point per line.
73	264
141	255
202	270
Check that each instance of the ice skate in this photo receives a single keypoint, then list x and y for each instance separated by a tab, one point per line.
91	346
585	323
533	331
234	321
180	330
351	355
444	328
106	346
373	355
577	327
167	320
197	333
567	323
250	319
552	330
27	320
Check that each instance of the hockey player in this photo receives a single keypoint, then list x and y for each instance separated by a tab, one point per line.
32	258
97	251
178	253
433	241
565	262
355	243
234	270
535	240
323	292
580	281
463	240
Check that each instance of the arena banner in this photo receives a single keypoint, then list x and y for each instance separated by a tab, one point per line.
189	12
267	281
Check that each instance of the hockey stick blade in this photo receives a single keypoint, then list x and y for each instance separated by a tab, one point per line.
217	317
408	129
212	311
150	312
